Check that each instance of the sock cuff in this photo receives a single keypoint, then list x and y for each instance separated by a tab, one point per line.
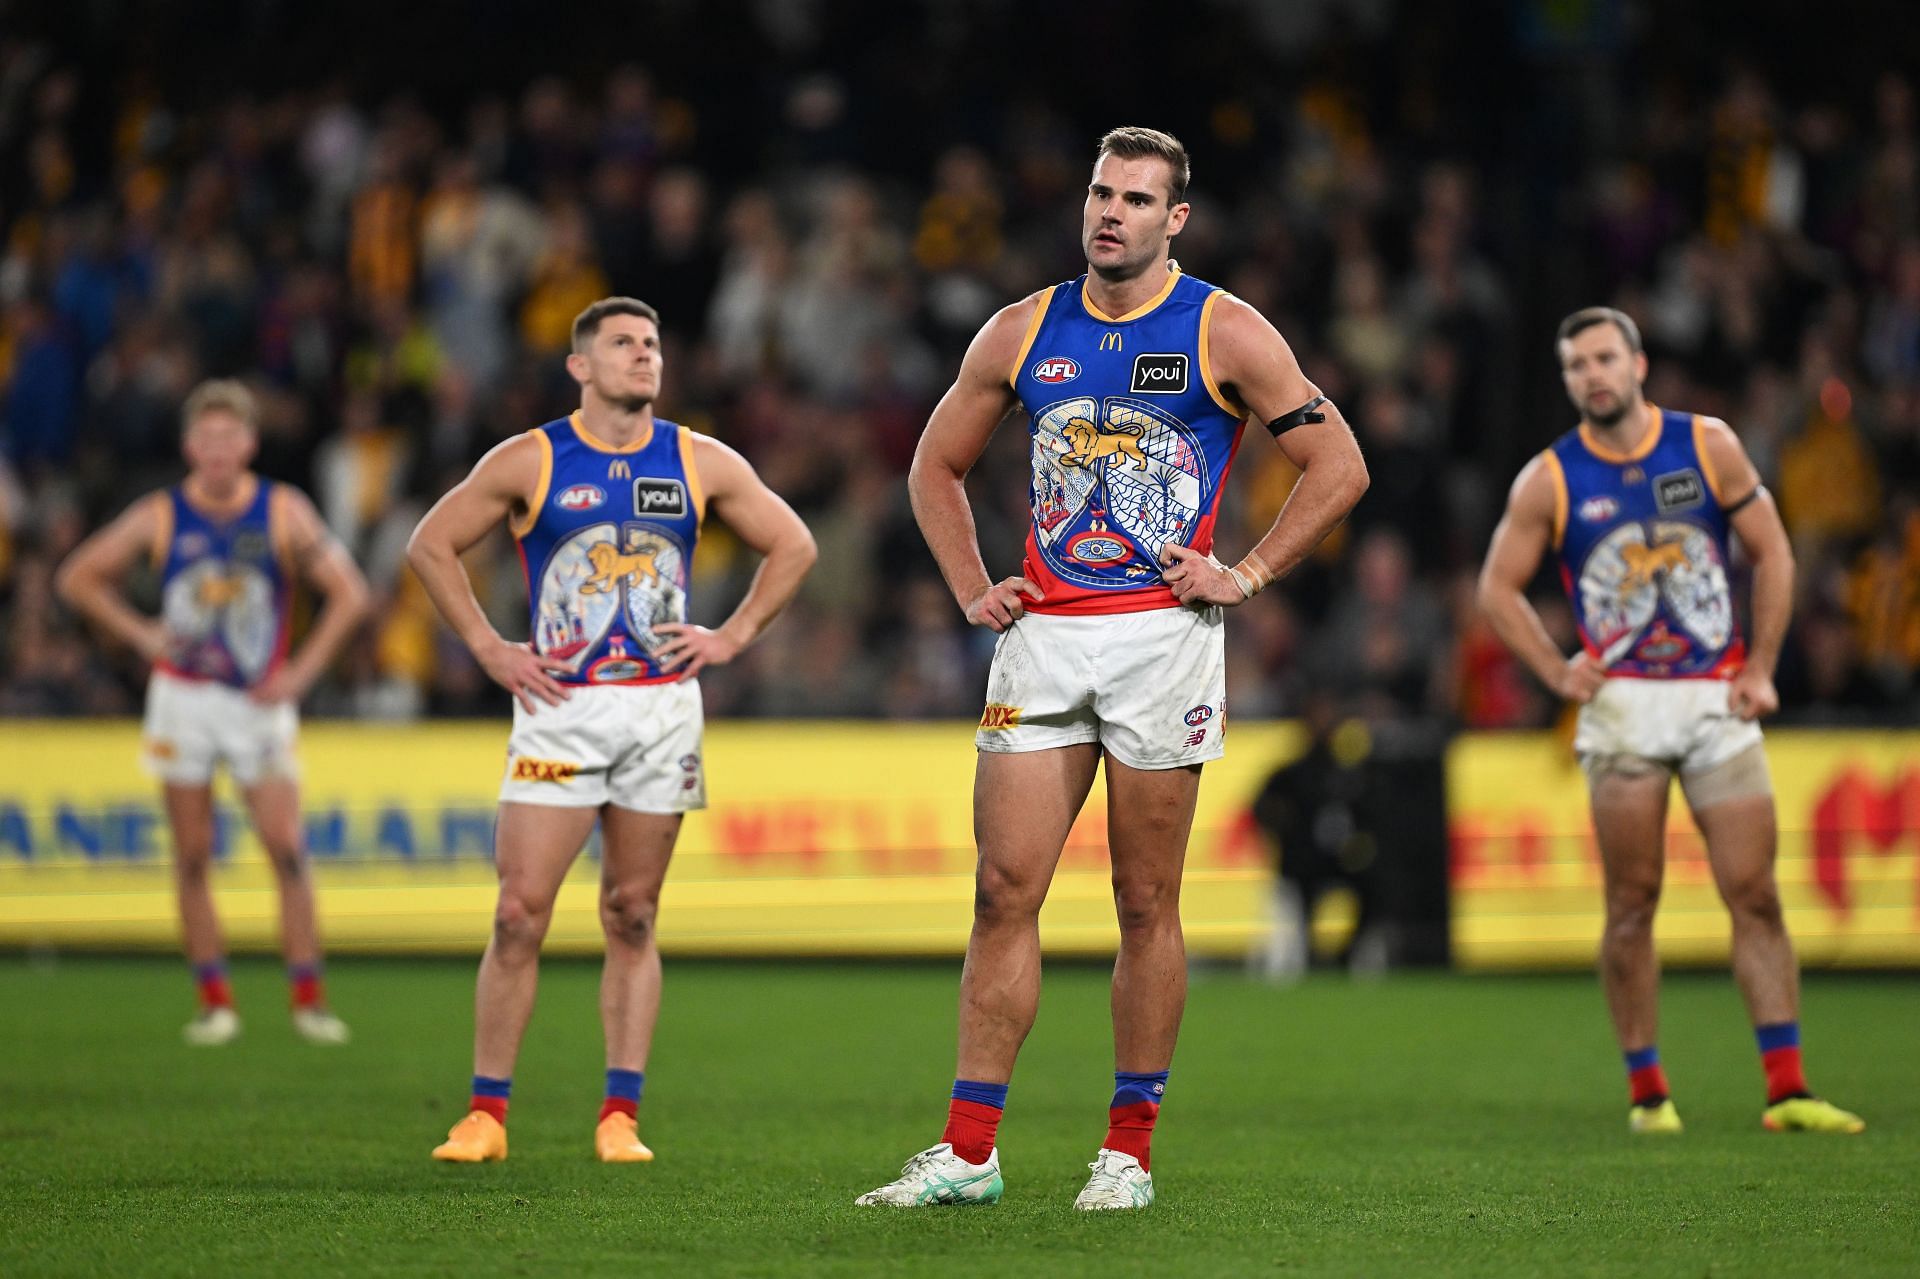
1784	1034
625	1084
982	1094
211	971
1130	1086
303	972
483	1086
1641	1058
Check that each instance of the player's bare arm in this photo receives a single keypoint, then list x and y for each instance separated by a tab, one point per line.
319	559
1255	366
956	435
1520	540
500	486
89	582
761	518
1756	521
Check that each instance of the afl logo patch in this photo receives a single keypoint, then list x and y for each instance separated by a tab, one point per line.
1595	510
1098	548
1199	715
1160	374
1056	368
581	497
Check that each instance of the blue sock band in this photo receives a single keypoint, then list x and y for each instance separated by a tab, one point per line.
1130	1087
302	972
994	1095
1784	1034
625	1084
207	972
485	1087
1648	1056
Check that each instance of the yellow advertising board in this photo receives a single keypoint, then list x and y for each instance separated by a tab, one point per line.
846	838
1526	874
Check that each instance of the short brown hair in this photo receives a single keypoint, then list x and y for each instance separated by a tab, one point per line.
1134	143
1582	320
587	323
220	395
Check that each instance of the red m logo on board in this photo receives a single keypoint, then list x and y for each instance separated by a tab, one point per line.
1856	806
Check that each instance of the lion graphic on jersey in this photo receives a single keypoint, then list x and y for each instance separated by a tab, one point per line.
609	566
216	590
1088	444
1645	561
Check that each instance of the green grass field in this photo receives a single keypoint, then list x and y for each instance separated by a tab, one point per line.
1423	1125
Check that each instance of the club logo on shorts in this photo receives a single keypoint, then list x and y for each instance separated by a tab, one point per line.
1056	368
527	769
999	717
1198	716
665	498
581	497
1678	489
1164	374
689	763
1598	510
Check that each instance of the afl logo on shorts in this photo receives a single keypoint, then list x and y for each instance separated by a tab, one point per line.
1598	510
1160	374
1098	548
1198	716
581	497
1056	368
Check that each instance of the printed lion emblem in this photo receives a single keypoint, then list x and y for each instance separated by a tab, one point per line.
1645	561
609	566
1087	444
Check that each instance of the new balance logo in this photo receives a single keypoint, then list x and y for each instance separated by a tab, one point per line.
1197	736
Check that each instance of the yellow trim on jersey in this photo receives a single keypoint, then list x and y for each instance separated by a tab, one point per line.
1559	475
1206	364
694	489
1033	331
522	527
277	532
163	535
1706	461
1173	278
1648	442
593	441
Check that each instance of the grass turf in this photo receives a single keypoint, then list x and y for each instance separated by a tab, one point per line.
1436	1125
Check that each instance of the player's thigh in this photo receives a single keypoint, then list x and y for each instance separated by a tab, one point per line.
1629	799
533	846
1162	688
273	805
190	818
258	743
1024	804
656	765
177	743
635	848
1732	804
1149	818
1040	686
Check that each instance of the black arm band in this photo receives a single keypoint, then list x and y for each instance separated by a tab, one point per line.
1299	417
1746	501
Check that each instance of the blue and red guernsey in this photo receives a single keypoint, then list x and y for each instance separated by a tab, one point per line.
224	591
1132	439
607	546
1642	543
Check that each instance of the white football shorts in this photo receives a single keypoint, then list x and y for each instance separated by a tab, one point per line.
1150	688
634	746
1681	723
193	725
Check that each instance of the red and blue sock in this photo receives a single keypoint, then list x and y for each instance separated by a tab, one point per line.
1132	1113
1645	1080
1780	1057
973	1118
211	978
490	1095
623	1093
303	982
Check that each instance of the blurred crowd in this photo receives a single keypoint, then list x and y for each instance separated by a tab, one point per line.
396	276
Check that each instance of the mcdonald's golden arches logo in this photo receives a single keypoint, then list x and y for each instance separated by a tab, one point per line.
1112	341
619	470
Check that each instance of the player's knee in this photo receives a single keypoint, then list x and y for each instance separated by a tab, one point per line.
1144	905
1630	910
287	860
519	924
1754	900
192	866
627	915
1002	896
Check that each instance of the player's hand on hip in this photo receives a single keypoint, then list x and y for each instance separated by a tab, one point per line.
284	685
522	672
1752	695
693	648
1197	578
1000	605
1580	679
154	640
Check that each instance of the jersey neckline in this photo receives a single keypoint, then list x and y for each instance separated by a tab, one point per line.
599	445
1648	443
1150	305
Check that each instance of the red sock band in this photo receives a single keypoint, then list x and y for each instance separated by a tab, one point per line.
1785	1077
495	1106
1130	1130
619	1106
307	992
1648	1085
971	1129
215	992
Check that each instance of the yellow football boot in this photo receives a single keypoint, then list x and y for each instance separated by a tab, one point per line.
1648	1120
1809	1114
617	1141
477	1139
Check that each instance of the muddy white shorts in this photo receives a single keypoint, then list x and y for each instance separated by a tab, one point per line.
634	746
1681	723
1149	687
194	725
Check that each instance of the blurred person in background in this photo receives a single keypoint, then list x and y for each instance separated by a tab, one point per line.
1639	506
229	545
607	505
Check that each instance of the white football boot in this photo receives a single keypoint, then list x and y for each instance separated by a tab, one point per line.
320	1026
939	1177
1118	1181
213	1027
